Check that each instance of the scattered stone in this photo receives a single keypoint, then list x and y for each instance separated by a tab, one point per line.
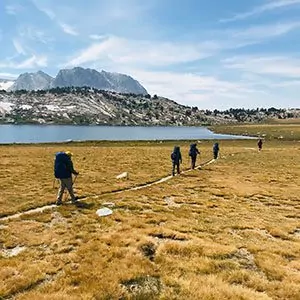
245	259
297	232
57	218
146	287
103	212
12	252
123	175
170	202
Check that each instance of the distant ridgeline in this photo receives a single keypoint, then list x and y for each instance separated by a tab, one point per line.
86	105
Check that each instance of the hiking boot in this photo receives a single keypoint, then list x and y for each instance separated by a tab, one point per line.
75	200
58	203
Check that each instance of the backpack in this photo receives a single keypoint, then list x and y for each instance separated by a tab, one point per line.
175	154
216	147
61	163
193	151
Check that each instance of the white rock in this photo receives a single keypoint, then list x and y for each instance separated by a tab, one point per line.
102	212
123	175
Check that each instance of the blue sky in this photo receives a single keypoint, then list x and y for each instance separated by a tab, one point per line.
210	54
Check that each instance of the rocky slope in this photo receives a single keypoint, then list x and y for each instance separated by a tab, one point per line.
90	106
79	77
32	82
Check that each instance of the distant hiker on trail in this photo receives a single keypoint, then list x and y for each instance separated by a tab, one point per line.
63	170
193	154
176	160
216	150
259	144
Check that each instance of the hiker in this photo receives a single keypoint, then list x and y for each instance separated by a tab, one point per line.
259	144
216	150
176	160
63	170
193	154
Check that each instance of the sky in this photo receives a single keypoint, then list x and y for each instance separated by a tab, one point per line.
212	54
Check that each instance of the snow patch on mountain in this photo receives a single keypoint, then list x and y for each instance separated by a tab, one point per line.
25	106
52	107
6	107
5	84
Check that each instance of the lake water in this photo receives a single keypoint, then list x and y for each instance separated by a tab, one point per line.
61	133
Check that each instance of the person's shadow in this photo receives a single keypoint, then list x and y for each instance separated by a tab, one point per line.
83	205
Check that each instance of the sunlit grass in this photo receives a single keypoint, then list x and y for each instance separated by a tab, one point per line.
283	130
227	231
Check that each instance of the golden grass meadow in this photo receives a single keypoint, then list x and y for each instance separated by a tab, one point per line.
229	230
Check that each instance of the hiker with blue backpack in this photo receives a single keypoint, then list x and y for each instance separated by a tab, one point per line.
63	170
193	154
216	150
176	160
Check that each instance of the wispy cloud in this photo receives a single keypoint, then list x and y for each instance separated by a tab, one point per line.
8	75
194	89
279	66
97	37
48	12
34	61
133	52
270	6
29	32
265	31
155	53
18	47
68	29
13	9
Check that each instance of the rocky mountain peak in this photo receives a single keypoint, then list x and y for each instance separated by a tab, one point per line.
32	81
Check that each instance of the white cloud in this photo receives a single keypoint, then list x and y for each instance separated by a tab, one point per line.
272	5
266	31
279	66
157	53
27	32
193	89
48	12
132	52
8	76
56	17
18	47
29	63
97	37
68	29
13	9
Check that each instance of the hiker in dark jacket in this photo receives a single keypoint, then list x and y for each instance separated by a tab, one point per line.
259	144
193	154
216	150
63	170
176	160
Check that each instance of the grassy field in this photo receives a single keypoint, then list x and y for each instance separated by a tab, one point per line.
230	230
279	130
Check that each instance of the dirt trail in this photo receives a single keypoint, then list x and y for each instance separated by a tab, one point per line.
134	188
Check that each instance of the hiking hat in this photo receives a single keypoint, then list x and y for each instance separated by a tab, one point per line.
69	153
